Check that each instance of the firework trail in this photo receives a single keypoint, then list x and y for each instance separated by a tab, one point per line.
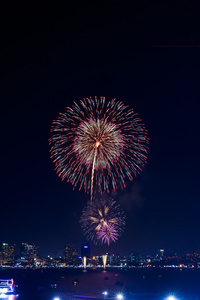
102	221
97	145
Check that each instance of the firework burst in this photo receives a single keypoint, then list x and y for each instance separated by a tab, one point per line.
103	221
97	145
108	233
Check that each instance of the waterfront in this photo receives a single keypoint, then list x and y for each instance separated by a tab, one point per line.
135	284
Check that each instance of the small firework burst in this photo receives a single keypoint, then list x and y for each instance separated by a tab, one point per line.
108	233
102	221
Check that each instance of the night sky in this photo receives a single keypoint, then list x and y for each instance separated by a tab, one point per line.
51	56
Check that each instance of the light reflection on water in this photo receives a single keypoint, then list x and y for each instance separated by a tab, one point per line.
8	297
155	284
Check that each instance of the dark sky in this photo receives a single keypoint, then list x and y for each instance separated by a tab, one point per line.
51	56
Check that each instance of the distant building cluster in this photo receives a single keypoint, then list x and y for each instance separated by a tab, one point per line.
7	255
29	258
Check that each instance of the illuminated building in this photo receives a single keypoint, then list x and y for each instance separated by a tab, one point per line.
192	259
29	251
133	259
160	255
70	255
115	259
29	255
161	252
8	254
173	260
85	250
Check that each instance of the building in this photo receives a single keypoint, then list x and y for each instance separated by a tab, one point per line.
133	259
172	260
29	251
114	259
8	254
85	250
192	258
70	255
161	252
29	254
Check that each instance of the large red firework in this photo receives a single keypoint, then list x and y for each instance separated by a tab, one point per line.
98	145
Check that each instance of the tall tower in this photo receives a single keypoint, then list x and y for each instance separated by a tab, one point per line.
85	250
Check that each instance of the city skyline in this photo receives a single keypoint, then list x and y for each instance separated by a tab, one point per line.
49	63
85	249
72	258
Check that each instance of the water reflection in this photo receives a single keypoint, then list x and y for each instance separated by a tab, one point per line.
8	297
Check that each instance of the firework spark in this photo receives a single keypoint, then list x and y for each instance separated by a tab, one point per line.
97	145
102	221
108	233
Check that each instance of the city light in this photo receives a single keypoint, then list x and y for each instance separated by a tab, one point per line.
105	293
56	298
171	298
119	296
